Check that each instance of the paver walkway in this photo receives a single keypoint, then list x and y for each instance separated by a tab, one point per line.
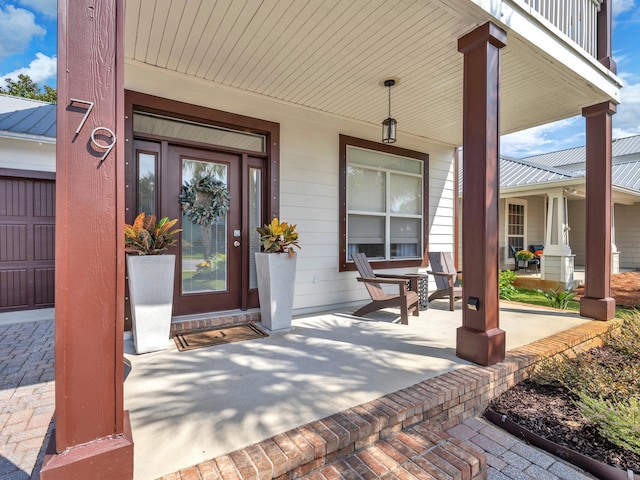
27	395
510	458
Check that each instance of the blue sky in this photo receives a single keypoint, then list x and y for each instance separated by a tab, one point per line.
28	45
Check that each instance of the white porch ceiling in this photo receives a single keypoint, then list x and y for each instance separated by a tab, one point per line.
331	55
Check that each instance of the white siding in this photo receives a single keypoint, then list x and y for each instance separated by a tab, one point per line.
309	146
627	222
27	155
578	230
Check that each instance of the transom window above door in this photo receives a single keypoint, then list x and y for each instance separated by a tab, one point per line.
383	203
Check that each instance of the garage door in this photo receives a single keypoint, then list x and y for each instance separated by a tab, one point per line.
27	227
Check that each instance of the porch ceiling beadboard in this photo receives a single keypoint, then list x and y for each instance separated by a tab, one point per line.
331	56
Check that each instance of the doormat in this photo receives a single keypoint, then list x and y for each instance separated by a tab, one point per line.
218	336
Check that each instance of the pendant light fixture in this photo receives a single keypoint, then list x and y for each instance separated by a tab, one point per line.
389	124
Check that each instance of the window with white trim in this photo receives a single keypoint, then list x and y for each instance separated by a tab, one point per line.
516	225
385	205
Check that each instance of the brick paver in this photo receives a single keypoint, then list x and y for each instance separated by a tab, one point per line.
27	399
509	458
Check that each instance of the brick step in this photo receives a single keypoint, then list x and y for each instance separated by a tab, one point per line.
223	319
419	452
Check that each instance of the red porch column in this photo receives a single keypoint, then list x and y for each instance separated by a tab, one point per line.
597	302
92	438
480	339
604	53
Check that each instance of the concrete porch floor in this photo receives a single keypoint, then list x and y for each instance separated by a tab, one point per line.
187	407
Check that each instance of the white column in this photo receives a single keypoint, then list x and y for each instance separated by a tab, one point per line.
557	262
557	241
615	254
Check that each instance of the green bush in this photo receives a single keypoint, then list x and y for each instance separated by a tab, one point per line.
559	298
619	422
626	339
505	284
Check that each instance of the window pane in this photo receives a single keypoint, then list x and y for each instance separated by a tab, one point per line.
361	156
255	221
198	132
366	190
406	234
406	194
366	235
204	247
147	183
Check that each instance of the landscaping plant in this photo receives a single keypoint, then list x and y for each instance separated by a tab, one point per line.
505	284
559	298
148	237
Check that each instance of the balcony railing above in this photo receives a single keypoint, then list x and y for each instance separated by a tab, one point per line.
578	19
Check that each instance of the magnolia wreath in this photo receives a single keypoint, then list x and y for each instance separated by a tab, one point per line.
204	199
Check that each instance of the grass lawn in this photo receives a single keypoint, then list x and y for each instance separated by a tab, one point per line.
534	297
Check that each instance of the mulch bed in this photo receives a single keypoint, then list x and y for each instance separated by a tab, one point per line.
550	412
625	288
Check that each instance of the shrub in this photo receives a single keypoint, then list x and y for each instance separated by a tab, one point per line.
505	284
618	422
559	298
626	339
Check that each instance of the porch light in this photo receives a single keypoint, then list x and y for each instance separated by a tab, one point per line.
389	124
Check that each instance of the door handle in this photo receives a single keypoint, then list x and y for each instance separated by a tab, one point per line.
236	243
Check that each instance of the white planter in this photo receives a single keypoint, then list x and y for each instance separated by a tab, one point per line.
276	280
151	297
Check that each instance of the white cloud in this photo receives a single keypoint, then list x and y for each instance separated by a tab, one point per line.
550	137
621	6
49	8
627	121
17	28
40	69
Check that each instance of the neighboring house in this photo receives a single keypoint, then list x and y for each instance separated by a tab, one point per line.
543	194
27	203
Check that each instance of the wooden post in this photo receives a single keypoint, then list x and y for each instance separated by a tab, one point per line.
597	302
92	438
480	339
604	52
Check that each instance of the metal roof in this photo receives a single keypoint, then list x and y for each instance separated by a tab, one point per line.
37	120
9	103
518	172
619	148
626	175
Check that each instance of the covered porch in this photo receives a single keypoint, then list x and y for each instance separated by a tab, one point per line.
189	407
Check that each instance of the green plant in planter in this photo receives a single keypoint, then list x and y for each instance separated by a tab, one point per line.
148	237
524	255
278	237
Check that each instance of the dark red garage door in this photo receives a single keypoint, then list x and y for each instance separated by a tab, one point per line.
27	227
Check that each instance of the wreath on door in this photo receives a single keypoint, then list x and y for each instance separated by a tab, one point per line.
204	200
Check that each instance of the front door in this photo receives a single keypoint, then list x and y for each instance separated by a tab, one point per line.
209	261
215	264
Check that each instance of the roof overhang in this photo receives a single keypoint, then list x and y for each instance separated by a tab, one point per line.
27	137
332	57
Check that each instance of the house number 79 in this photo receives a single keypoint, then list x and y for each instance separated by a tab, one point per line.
108	147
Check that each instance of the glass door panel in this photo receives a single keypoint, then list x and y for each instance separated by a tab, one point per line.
255	221
204	247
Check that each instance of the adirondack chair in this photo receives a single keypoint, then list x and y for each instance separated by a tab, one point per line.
407	300
446	276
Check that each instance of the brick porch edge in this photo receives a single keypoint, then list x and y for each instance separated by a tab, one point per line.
414	415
